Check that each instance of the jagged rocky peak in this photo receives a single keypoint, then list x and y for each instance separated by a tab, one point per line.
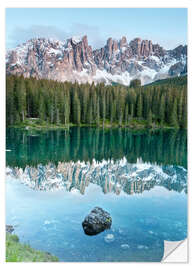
75	60
123	42
145	48
114	46
179	52
135	45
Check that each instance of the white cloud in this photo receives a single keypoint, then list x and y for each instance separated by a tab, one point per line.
21	34
95	37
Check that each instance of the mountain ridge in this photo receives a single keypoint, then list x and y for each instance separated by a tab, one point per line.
75	60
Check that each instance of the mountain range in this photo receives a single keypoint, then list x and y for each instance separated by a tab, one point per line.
116	62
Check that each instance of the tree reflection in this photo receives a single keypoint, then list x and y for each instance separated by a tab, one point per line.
85	144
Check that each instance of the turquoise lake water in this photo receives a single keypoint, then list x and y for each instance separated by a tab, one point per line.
55	178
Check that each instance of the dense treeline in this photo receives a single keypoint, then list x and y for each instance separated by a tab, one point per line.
181	80
65	103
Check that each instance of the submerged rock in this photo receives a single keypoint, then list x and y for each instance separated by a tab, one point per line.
142	247
125	246
97	221
9	229
109	238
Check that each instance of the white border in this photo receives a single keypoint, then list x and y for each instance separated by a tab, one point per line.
83	3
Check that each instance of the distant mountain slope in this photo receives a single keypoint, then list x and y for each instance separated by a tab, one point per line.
74	60
180	80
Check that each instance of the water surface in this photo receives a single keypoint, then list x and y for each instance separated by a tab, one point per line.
55	178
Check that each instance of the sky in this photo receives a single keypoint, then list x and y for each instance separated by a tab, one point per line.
166	26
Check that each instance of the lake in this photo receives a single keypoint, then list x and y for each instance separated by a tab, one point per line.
55	178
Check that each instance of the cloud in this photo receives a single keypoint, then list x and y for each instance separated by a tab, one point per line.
95	37
93	32
21	34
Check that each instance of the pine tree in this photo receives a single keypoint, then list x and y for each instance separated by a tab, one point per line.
131	110
66	109
126	117
21	97
135	83
183	122
41	109
89	114
103	110
76	109
180	107
149	118
139	106
162	110
98	113
10	101
173	119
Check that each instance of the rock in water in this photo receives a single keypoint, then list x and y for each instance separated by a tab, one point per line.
109	238
97	221
125	246
9	229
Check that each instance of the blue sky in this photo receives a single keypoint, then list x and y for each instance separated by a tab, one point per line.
166	26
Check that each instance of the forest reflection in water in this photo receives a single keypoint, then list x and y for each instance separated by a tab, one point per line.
85	144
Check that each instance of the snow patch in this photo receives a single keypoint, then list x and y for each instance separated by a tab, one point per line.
108	78
76	39
54	51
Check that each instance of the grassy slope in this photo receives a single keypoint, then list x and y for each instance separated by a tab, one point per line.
17	252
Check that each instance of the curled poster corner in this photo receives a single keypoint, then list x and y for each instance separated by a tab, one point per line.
175	251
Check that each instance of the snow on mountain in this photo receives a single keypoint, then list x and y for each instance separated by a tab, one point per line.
76	39
74	60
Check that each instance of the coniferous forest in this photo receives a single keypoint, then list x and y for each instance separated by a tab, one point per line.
161	103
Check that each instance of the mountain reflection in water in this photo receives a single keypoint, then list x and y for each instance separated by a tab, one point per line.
109	175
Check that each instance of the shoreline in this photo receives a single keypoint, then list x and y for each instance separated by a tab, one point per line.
132	127
21	252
